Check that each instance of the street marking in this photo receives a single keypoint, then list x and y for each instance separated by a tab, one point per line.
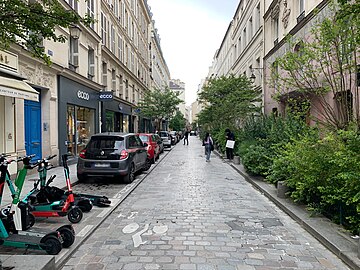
114	202
104	212
133	214
160	229
130	228
168	178
137	236
84	231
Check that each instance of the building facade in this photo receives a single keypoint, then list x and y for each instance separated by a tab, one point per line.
178	87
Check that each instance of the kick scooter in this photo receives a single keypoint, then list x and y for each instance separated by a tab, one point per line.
47	194
50	242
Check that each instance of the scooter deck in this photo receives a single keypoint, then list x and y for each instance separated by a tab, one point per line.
17	240
100	201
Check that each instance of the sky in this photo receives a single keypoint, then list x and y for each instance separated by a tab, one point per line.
190	32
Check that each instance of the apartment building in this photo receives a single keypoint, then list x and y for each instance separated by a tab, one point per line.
159	71
94	84
178	87
280	19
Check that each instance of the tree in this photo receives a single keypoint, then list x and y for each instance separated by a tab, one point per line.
27	23
321	69
228	101
159	104
177	122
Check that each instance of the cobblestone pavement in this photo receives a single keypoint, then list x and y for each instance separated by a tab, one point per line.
192	214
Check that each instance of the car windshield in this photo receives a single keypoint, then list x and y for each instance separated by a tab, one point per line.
163	134
106	143
144	138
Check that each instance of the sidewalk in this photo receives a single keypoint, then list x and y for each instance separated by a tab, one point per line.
329	234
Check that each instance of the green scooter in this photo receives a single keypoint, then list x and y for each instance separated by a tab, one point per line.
16	220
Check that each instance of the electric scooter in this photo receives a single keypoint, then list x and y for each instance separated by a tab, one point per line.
58	208
48	194
23	219
97	200
11	228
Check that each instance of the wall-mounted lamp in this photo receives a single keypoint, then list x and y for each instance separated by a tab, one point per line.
75	31
252	76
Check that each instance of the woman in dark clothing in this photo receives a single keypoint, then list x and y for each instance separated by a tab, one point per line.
207	142
229	136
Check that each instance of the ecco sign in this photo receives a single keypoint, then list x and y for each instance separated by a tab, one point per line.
105	95
83	95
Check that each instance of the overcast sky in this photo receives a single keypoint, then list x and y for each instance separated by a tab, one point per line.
190	32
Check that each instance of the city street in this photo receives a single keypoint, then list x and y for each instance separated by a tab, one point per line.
192	214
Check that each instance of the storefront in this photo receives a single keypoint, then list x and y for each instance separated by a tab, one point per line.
78	115
13	90
116	115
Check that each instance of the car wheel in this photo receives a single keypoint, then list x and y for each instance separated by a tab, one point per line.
129	178
147	164
81	177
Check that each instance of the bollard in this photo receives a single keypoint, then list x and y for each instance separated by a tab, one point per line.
236	160
282	189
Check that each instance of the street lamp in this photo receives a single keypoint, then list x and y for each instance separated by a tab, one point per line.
75	31
252	76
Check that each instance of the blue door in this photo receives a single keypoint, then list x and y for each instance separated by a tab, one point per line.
33	128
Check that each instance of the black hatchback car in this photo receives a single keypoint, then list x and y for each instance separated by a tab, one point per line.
113	154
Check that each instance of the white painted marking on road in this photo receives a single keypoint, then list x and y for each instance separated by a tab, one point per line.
121	215
133	214
84	231
104	212
160	229
114	202
167	179
137	236
130	228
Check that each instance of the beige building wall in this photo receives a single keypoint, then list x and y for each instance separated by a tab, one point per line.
179	87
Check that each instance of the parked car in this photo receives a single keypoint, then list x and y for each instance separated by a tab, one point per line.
119	155
159	142
166	138
153	149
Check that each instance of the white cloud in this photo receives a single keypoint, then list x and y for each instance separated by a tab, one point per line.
190	34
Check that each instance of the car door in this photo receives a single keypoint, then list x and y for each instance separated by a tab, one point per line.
141	153
133	145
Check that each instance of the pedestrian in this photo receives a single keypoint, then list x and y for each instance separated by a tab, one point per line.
229	150
209	146
186	137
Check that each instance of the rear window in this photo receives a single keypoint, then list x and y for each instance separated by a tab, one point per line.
106	143
163	134
144	138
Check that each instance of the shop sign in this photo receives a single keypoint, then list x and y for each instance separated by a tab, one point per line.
106	95
9	60
83	95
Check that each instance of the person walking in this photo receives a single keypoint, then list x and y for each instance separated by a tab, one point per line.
229	150
208	143
186	137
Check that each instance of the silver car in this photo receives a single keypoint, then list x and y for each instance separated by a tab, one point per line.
166	138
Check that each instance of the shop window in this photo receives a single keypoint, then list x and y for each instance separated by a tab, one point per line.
109	121
80	127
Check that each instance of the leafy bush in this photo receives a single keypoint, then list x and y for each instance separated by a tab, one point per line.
257	159
324	174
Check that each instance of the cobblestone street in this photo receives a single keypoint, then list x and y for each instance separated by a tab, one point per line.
192	214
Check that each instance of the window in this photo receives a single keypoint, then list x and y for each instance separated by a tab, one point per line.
250	29
121	90
91	63
257	17
120	49
244	38
73	53
112	45
91	11
301	6
103	29
113	80
126	90
104	74
73	4
276	30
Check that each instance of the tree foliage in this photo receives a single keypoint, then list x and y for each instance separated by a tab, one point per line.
227	102
177	122
27	23
323	67
159	104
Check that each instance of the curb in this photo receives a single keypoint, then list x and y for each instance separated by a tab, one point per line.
327	233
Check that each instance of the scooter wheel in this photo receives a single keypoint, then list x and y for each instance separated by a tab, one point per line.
67	236
31	220
75	215
85	205
51	245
